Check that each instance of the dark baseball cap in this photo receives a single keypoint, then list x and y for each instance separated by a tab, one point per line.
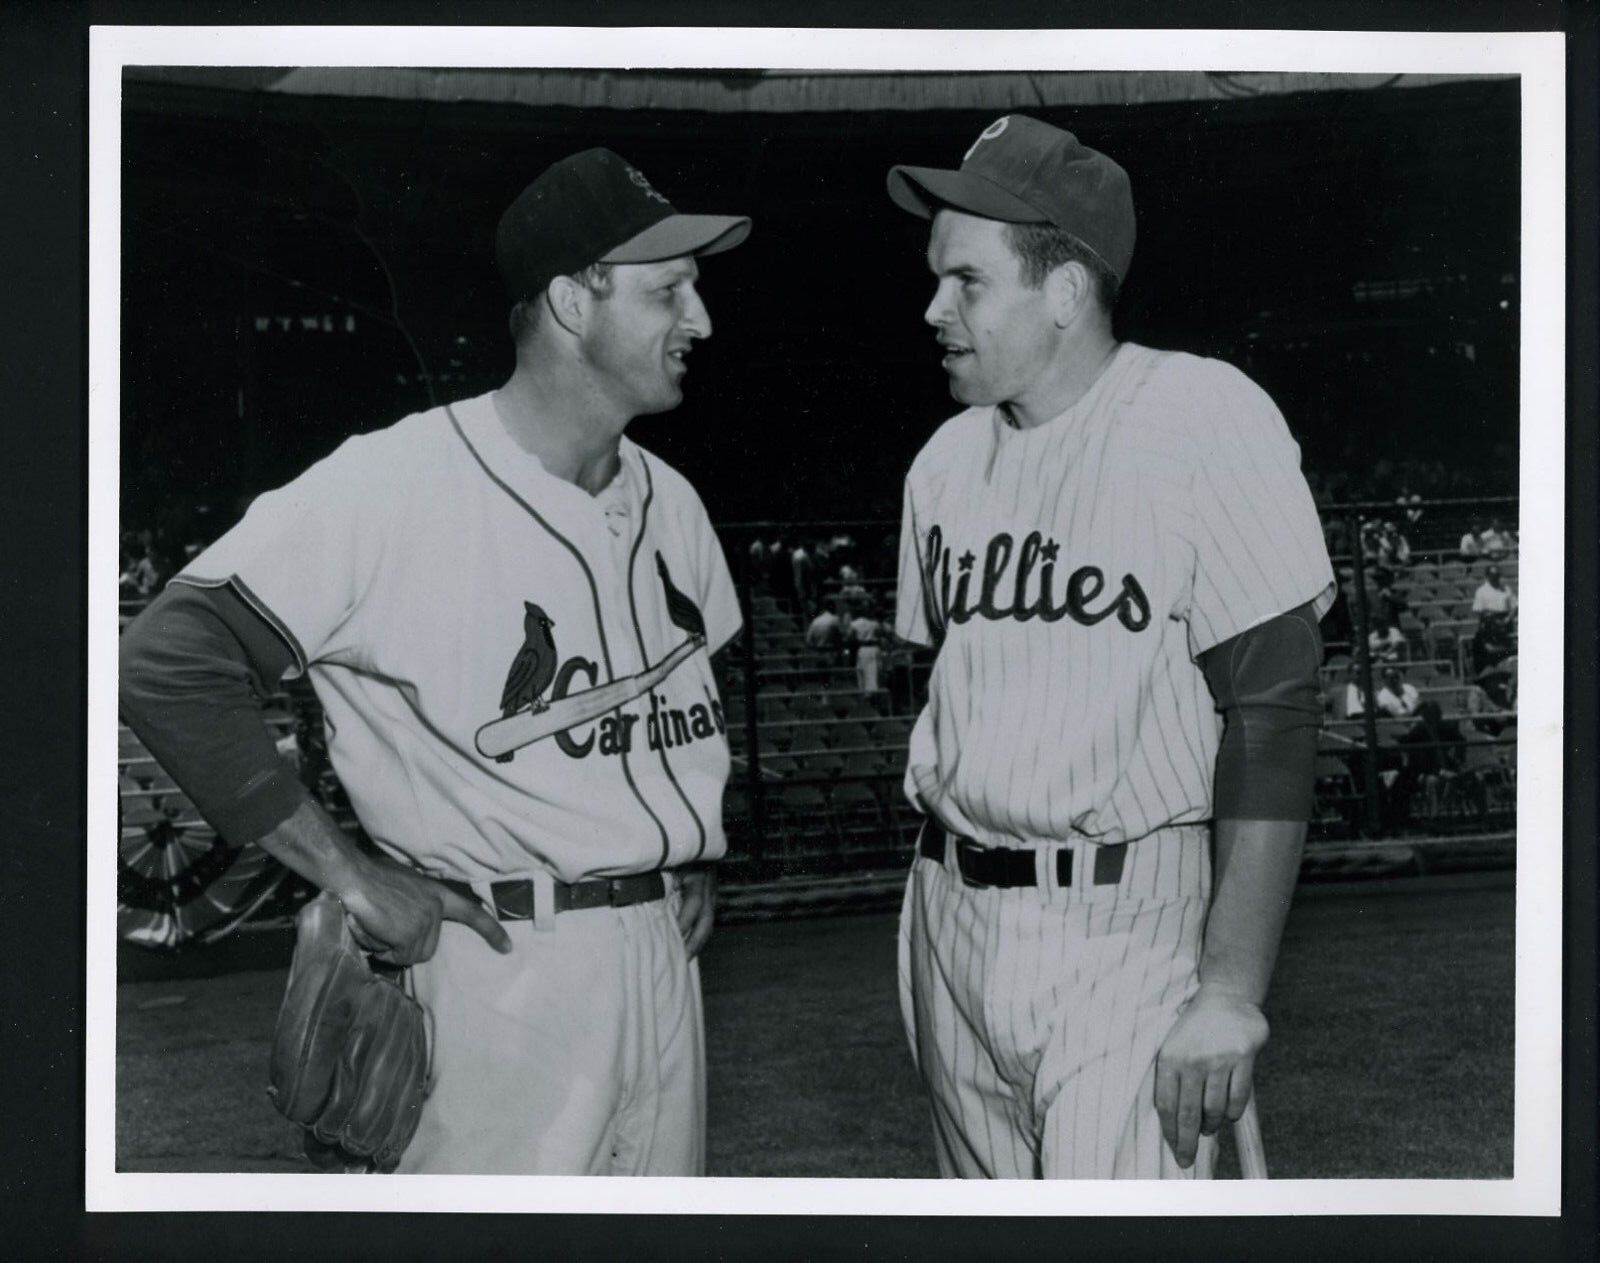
595	207
1023	171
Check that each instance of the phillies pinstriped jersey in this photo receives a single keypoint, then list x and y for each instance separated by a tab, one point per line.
1069	575
437	581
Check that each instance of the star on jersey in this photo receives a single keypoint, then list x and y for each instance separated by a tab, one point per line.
1024	590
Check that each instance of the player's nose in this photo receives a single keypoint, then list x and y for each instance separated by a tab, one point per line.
937	312
696	319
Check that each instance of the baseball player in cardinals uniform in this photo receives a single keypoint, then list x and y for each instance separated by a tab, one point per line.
507	609
1117	559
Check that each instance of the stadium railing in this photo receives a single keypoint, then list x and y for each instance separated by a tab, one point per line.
808	796
819	745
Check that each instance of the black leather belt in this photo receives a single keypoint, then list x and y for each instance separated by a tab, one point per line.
1009	867
513	899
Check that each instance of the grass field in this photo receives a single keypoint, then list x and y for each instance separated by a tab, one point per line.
1391	1055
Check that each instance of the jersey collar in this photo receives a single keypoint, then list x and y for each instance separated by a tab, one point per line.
525	473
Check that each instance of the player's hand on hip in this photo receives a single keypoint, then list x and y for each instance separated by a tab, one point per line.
395	913
696	907
1204	1069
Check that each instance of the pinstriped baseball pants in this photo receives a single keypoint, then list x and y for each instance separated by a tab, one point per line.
1035	1014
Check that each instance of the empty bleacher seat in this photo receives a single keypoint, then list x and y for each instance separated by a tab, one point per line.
851	736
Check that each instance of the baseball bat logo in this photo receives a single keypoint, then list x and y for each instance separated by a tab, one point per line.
527	716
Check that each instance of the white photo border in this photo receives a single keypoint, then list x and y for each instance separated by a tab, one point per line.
1538	58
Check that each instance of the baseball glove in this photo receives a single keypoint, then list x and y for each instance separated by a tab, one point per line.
350	1052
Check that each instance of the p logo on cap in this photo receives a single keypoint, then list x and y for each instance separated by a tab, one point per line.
1023	171
989	133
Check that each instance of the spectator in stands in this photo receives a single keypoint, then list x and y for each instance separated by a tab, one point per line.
780	577
127	576
1493	642
1355	697
1469	548
822	556
1336	535
758	562
1397	696
826	631
1482	710
1393	548
1498	685
865	634
140	577
1391	602
1494	595
865	628
1411	503
803	577
1493	542
1388	765
1371	532
1337	628
1387	643
1433	750
854	595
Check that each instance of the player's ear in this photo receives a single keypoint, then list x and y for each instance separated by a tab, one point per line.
1069	290
564	298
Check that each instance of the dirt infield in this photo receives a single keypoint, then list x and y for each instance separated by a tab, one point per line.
1391	1056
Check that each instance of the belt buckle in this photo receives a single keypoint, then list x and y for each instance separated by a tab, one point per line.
513	900
967	864
612	886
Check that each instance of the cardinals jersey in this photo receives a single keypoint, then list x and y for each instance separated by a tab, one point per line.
1070	574
515	674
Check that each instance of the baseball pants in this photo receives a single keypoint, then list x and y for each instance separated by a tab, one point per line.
1035	1014
580	1053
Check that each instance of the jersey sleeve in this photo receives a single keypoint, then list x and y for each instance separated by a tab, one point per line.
911	609
193	668
304	555
1258	544
719	602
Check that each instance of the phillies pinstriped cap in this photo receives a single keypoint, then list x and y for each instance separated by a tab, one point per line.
1023	171
595	207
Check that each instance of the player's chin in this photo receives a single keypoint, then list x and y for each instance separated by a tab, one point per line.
972	393
668	397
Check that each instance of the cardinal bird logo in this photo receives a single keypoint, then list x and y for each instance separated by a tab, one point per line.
532	669
683	612
526	716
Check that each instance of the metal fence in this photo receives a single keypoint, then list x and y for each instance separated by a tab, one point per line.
820	717
1419	686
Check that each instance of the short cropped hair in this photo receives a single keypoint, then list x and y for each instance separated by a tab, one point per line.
1041	248
525	315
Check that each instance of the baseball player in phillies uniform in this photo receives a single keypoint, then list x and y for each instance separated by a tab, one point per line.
1116	556
507	609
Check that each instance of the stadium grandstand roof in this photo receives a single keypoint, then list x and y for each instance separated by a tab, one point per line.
772	91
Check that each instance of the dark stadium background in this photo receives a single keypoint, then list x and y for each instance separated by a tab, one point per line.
1355	251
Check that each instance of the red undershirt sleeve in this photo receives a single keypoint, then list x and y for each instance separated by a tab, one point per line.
1266	684
193	670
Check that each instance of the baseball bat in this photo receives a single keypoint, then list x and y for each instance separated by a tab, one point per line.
1247	1138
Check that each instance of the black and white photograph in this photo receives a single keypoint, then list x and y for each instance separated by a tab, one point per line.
914	622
